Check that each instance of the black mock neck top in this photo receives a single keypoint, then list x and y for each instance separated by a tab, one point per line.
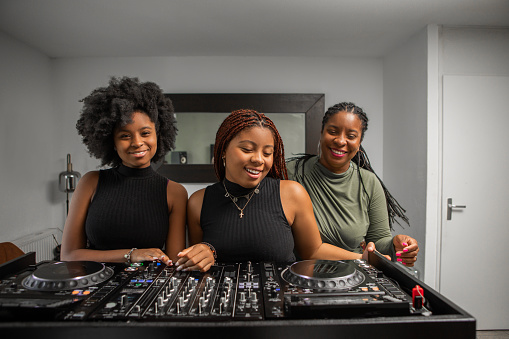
129	209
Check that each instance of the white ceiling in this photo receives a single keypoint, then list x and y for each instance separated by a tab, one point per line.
365	28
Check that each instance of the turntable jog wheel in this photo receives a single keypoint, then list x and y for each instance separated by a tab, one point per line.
59	276
323	274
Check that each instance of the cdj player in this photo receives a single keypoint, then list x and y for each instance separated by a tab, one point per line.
272	294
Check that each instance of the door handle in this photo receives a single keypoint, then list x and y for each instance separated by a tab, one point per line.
450	206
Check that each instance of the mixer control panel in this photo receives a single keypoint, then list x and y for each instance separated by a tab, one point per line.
238	291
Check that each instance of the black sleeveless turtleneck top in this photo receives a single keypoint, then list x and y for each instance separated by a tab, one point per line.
129	209
262	234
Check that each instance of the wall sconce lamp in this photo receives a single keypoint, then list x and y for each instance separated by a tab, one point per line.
68	180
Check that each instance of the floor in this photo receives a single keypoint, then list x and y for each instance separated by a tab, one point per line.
492	334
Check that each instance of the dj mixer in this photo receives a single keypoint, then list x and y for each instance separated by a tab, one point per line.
87	295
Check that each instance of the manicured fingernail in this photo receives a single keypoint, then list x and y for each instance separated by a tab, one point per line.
404	244
405	250
399	259
179	268
398	254
404	263
179	253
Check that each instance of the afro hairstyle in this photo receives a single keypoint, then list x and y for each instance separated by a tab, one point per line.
108	107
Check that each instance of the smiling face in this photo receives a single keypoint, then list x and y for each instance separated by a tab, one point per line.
249	156
340	141
136	142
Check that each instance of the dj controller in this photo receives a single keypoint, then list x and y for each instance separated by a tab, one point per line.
253	299
152	291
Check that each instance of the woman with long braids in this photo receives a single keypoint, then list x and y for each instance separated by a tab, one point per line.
252	213
126	213
351	204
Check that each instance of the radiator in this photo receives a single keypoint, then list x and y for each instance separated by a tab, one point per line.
42	243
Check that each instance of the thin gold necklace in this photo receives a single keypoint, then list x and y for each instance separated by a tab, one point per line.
234	199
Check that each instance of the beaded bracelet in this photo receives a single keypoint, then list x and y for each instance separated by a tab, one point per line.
128	255
211	248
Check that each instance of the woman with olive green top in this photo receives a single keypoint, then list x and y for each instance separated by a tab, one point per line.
351	205
348	211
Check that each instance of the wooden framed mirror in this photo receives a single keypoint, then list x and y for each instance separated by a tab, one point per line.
209	110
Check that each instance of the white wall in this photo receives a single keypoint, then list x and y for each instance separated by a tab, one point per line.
338	78
28	154
475	51
54	135
405	115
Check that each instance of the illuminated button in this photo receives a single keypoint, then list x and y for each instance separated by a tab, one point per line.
75	292
86	292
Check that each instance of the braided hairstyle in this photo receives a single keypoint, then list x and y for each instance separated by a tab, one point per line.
238	121
108	107
394	209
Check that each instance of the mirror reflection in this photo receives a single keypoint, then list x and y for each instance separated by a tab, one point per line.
197	133
297	116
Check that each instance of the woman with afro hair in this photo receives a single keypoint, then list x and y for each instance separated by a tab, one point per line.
126	213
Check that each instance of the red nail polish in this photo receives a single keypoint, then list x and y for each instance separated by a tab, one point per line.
398	254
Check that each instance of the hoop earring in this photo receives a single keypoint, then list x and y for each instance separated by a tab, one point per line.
224	162
319	150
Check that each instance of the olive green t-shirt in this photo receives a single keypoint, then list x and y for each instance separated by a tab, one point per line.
349	207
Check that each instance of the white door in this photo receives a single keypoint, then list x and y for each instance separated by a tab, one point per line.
474	270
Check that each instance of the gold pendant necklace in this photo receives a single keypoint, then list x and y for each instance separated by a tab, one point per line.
235	199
